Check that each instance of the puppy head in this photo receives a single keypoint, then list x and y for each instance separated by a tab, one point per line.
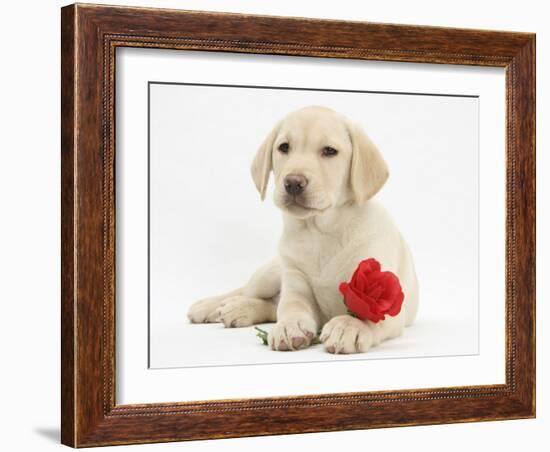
319	160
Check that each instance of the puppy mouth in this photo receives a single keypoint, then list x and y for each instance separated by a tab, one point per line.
295	203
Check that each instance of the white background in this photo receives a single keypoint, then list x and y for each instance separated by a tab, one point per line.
30	226
209	231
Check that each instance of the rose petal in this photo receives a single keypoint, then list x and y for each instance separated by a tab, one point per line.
375	291
397	304
384	305
363	273
364	308
343	288
369	266
376	278
374	264
360	283
391	285
354	277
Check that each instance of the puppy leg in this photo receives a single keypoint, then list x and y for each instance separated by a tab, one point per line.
204	311
346	334
263	286
298	317
242	311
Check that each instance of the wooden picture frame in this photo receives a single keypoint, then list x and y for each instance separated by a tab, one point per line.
90	35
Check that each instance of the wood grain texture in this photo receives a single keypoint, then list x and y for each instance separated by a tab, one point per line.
90	35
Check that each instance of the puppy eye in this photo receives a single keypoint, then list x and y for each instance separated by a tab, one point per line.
329	151
284	147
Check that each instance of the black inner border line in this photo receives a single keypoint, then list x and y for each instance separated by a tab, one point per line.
216	85
148	225
329	90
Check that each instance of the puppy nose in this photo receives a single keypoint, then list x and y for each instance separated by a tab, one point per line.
295	184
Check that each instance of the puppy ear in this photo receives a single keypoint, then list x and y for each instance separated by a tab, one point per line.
369	171
261	165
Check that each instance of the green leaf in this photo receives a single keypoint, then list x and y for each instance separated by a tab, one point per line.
262	334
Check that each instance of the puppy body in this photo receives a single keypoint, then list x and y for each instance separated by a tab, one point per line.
317	254
326	170
326	250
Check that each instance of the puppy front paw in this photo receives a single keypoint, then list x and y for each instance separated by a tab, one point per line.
346	334
239	311
292	334
205	311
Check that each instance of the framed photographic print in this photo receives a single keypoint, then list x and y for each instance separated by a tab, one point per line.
279	225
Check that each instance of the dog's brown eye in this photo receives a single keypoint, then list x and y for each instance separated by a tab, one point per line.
329	151
284	147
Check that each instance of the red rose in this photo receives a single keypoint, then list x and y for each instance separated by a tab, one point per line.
371	293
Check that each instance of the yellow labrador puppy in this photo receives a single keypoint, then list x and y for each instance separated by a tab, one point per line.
326	171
